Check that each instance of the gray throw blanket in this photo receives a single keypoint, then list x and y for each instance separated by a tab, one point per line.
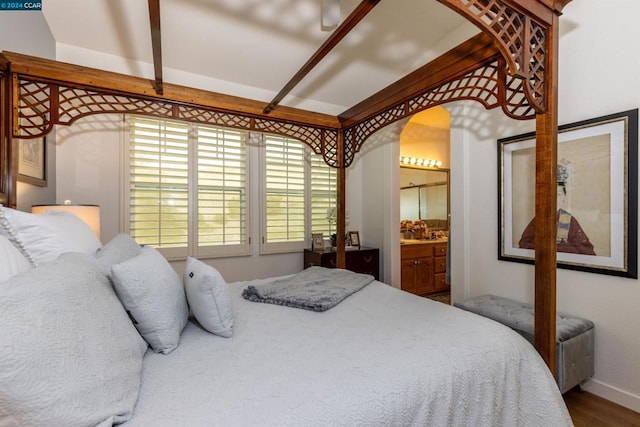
316	288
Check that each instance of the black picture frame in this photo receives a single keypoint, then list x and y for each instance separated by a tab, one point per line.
597	190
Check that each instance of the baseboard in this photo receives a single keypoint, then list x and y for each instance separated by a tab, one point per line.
613	394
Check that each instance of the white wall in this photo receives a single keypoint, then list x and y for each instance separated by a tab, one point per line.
27	32
376	171
88	165
599	75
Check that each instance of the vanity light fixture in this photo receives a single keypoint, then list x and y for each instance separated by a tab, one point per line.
425	163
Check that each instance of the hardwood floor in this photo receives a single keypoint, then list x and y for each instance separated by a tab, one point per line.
589	410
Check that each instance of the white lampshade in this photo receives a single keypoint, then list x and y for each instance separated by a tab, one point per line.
90	214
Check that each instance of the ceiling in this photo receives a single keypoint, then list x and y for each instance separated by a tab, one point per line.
263	43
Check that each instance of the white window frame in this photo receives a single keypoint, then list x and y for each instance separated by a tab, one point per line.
225	250
290	246
192	248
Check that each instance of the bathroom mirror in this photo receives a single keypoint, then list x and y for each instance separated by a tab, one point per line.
424	194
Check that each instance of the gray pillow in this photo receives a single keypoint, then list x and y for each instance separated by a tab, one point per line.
70	355
209	298
121	248
151	292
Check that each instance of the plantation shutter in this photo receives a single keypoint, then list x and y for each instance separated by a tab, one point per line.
158	183
284	194
323	195
222	192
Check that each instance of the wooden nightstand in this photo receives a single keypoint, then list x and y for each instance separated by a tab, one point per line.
363	260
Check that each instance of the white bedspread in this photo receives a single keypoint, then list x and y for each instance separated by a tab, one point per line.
382	357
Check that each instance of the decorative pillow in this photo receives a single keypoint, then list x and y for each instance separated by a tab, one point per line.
70	354
42	238
152	294
209	298
119	249
12	261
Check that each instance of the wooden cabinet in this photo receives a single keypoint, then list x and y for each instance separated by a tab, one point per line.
363	260
423	268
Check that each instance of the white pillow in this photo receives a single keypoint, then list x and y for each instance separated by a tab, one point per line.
12	261
151	292
209	298
119	249
42	238
70	355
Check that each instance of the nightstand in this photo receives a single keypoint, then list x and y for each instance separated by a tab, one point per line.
363	260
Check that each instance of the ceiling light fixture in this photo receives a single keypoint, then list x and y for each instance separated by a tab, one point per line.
330	14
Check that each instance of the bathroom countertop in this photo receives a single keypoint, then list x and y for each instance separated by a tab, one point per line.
422	241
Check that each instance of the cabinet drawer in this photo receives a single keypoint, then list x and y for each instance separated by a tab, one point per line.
440	282
369	256
440	264
440	250
416	251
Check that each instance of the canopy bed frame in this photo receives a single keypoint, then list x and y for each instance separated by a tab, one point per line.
511	64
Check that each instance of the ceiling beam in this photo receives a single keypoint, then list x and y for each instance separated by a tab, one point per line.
156	42
347	25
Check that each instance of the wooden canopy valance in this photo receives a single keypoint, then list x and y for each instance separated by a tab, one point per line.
511	64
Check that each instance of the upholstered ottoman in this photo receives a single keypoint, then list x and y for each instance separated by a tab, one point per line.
574	336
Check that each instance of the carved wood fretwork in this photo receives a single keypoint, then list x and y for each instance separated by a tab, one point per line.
482	85
35	110
522	40
44	104
37	114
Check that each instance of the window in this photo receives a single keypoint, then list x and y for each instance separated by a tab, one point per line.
161	185
158	184
222	189
188	190
299	188
323	195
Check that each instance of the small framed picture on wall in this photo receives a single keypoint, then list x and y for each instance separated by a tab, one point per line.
32	158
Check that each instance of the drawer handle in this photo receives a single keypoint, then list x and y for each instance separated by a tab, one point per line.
368	258
332	263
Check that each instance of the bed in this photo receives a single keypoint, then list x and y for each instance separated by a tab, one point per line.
375	356
511	64
380	357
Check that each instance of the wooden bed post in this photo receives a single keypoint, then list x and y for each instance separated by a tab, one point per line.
4	164
341	202
546	207
7	152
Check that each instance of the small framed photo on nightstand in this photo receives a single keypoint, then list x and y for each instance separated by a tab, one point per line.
317	241
354	238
